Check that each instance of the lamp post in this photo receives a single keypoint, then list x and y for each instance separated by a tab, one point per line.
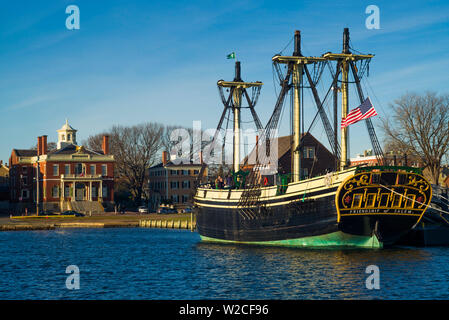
37	186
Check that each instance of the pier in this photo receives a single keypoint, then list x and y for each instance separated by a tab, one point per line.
169	221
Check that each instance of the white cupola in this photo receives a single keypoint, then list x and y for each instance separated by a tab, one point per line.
66	135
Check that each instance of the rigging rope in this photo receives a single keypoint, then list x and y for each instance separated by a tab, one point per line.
423	204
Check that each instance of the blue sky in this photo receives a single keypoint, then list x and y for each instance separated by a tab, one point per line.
135	61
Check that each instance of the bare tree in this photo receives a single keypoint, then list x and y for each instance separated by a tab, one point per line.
135	149
419	126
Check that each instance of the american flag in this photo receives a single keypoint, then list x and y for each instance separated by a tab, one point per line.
364	111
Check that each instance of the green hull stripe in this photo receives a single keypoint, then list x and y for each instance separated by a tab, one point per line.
335	239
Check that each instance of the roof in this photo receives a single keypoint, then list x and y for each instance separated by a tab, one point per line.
171	165
25	152
71	149
67	127
284	144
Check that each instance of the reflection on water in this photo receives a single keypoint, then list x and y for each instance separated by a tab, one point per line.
174	264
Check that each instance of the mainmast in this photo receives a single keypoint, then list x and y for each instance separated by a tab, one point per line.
296	79
297	63
237	89
344	101
346	58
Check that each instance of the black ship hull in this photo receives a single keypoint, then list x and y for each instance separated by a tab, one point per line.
312	218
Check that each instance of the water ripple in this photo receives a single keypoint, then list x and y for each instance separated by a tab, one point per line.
173	264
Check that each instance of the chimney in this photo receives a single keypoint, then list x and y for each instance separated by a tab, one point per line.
201	157
105	144
164	158
44	145
39	145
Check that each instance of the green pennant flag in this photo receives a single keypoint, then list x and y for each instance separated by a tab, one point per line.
231	56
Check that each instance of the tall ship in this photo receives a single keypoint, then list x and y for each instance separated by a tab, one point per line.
361	206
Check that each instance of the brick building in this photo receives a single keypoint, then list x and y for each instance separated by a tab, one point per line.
69	177
170	183
4	188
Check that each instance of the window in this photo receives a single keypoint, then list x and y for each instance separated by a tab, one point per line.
24	180
105	192
186	184
196	171
384	199
68	137
370	200
402	178
55	170
375	178
66	191
174	184
357	201
25	194
304	173
397	200
410	200
104	170
92	169
79	168
185	172
175	198
309	152
94	192
185	198
67	169
55	192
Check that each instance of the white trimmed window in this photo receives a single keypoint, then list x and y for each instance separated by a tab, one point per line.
104	170
309	152
92	169
55	170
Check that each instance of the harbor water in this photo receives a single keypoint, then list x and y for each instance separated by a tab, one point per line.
143	263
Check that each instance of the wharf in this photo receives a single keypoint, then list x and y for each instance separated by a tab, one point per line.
130	220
